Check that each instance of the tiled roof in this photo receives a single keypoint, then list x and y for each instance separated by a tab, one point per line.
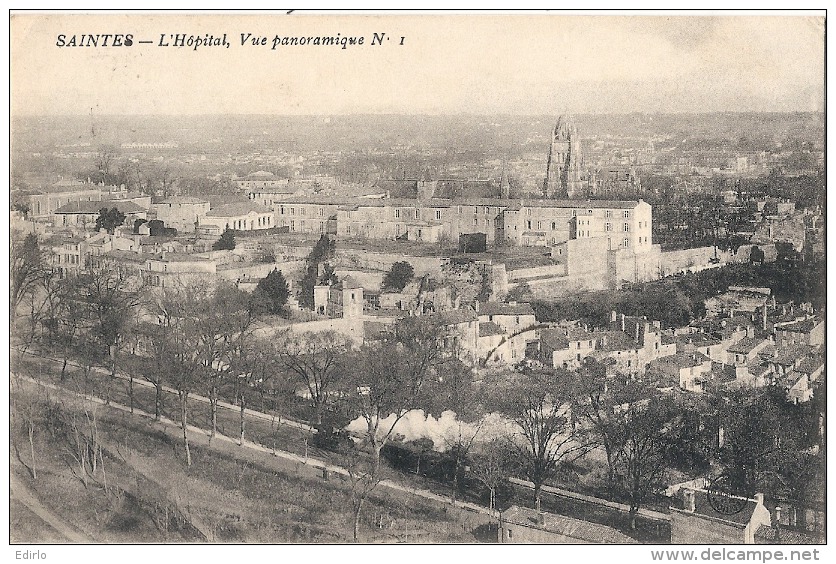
679	360
615	341
489	328
553	339
498	308
585	531
772	535
702	506
745	346
452	317
183	200
96	207
801	326
237	209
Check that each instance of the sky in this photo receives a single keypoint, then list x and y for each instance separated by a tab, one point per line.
448	64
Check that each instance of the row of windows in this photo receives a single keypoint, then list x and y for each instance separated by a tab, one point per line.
241	224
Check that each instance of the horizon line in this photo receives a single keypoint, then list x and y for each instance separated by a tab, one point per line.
451	114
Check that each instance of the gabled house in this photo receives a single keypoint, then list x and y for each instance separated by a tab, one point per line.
688	370
522	525
702	519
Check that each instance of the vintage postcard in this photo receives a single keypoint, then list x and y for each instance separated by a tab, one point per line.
421	278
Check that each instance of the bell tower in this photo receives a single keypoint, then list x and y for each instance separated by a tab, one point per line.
563	167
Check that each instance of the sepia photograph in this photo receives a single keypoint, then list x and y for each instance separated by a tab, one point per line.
420	277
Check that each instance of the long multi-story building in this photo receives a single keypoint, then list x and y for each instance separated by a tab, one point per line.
514	222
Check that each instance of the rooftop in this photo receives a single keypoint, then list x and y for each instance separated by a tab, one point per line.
237	209
804	326
96	207
498	308
745	346
489	329
183	200
703	508
452	317
584	531
615	341
774	535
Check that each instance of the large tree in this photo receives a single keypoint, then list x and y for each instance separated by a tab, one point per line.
383	384
113	302
398	276
272	292
27	266
539	403
109	219
315	360
322	253
226	242
649	430
222	329
453	390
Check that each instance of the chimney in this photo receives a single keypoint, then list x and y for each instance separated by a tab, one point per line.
759	498
777	522
613	316
622	322
688	499
476	306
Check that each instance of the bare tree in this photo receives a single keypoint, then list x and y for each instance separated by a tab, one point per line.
181	310
314	360
27	266
492	464
113	301
538	402
223	326
453	391
648	432
384	384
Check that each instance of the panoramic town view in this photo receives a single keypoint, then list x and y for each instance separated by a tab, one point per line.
574	320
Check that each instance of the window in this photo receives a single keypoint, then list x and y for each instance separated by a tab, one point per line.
528	211
292	211
460	209
626	227
438	214
509	533
626	213
293	225
528	224
417	213
588	212
574	213
321	212
554	225
626	242
397	214
475	221
608	226
609	213
538	226
281	210
301	211
487	210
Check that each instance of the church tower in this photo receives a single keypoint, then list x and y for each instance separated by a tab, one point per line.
563	167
